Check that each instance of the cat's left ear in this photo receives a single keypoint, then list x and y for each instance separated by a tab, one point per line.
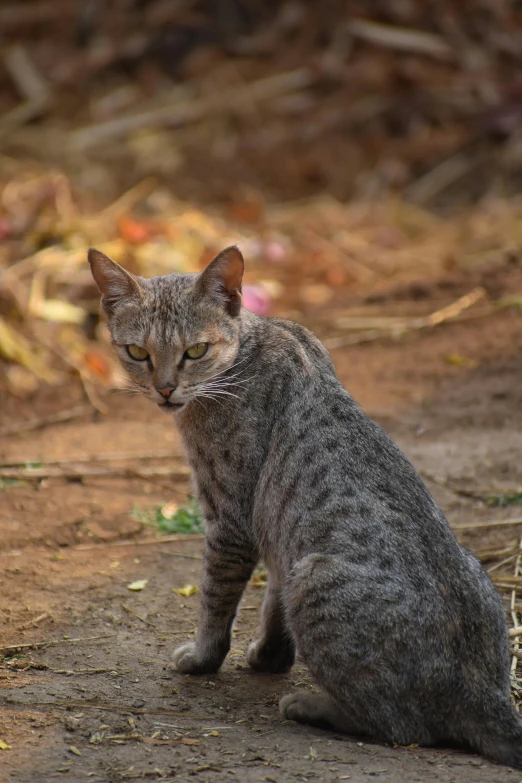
222	279
114	282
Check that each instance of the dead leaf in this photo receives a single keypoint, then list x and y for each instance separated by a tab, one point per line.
4	745
21	382
58	311
16	348
461	361
316	293
259	578
140	584
98	366
134	231
187	590
75	751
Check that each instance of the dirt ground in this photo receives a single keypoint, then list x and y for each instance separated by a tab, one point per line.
100	702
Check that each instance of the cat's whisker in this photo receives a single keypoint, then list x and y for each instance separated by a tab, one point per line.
221	393
208	397
221	372
216	389
224	384
229	381
227	369
198	399
126	390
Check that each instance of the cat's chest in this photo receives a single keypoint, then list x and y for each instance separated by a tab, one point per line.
225	465
212	463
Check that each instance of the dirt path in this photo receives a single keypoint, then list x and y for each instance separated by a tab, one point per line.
102	703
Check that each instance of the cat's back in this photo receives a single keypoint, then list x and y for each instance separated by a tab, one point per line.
335	483
332	474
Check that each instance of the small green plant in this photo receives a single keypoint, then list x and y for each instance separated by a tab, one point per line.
505	498
174	519
6	483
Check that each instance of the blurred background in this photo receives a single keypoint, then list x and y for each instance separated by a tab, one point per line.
367	158
350	148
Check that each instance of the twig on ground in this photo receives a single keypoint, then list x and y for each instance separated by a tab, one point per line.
53	642
125	202
90	471
138	616
185	557
183	112
490	554
33	87
514	618
16	14
132	710
88	387
34	623
398	327
135	735
502	563
444	482
188	728
145	542
31	84
90	390
492	523
358	268
70	672
112	456
45	421
402	38
441	177
506	582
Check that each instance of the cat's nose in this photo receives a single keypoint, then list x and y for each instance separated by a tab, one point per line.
166	391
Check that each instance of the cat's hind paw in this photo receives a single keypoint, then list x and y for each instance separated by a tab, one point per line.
263	659
313	708
185	659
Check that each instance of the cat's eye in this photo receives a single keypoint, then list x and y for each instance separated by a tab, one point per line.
196	351
137	352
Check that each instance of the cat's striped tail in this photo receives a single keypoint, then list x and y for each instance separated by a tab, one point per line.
501	741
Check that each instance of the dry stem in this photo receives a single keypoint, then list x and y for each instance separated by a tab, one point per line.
45	421
53	643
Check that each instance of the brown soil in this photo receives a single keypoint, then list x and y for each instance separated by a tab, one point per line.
109	708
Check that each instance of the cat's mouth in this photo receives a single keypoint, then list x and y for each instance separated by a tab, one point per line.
171	407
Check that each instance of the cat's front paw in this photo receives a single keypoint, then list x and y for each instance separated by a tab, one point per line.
264	658
187	660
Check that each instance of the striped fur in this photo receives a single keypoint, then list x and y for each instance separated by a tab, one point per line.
398	624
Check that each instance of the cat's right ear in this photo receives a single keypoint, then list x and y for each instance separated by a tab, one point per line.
114	282
222	279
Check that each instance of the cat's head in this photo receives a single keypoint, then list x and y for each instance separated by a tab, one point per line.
175	335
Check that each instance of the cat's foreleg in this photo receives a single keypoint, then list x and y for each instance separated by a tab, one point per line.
274	650
226	571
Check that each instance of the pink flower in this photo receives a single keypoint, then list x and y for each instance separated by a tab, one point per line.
256	299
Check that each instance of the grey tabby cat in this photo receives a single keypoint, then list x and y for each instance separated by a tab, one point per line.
398	624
